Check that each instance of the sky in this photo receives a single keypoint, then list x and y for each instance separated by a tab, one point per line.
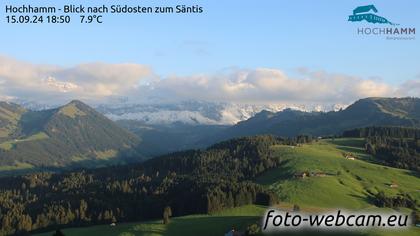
253	51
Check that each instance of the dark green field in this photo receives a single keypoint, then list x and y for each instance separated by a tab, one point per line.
215	224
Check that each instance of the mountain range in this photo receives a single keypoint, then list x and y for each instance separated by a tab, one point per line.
362	113
199	112
189	112
77	135
176	136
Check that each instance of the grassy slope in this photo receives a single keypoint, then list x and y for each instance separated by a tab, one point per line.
9	119
8	145
18	166
345	186
347	182
71	111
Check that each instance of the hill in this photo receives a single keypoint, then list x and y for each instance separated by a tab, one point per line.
362	113
74	134
190	182
337	180
332	182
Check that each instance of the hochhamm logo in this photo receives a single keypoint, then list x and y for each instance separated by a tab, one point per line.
392	32
364	13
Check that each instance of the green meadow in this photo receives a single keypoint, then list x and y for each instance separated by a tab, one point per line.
8	145
346	184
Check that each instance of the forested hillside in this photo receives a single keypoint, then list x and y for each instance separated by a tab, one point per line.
395	146
188	182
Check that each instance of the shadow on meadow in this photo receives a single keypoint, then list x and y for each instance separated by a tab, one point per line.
209	225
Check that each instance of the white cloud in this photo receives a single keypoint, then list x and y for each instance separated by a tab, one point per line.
410	88
96	81
271	85
91	81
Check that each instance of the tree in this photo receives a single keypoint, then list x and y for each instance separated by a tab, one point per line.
415	216
167	213
58	233
25	223
82	209
253	229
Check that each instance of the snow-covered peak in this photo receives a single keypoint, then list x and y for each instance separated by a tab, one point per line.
187	112
198	112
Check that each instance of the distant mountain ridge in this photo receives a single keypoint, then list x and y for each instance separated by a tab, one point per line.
199	112
78	134
189	112
73	133
362	113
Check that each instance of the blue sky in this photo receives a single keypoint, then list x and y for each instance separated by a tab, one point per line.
241	34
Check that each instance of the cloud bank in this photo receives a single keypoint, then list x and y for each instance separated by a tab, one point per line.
91	81
95	82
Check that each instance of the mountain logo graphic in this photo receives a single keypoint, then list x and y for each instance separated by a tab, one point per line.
365	13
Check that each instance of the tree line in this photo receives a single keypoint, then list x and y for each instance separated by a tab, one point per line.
394	146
